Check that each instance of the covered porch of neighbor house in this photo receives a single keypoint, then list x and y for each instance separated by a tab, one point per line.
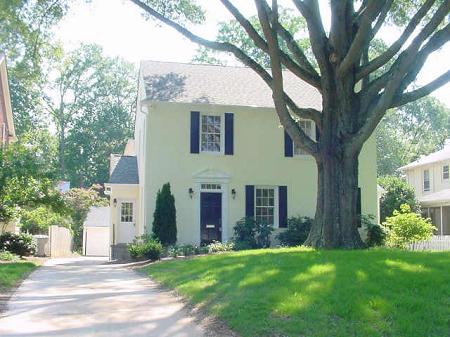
436	206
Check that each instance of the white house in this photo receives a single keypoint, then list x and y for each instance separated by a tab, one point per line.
213	133
429	175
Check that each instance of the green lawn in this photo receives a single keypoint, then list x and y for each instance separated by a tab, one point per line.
11	273
303	292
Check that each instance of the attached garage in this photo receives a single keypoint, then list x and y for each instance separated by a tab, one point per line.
96	232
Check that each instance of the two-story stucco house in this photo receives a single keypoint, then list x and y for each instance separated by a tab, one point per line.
430	177
7	131
213	133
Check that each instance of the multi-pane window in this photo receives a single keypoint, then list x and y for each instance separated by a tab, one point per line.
445	172
210	186
126	212
265	205
210	133
426	180
307	127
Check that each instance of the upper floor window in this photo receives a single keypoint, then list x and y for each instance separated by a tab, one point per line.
426	180
210	140
445	172
307	127
265	200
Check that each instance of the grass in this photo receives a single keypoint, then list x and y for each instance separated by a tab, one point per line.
12	273
303	292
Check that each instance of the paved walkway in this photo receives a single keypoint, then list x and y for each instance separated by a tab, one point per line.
88	297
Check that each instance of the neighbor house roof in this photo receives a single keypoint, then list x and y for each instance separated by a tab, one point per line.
223	85
124	170
442	196
434	157
5	100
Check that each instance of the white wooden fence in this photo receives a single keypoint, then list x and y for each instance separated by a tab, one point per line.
58	242
437	243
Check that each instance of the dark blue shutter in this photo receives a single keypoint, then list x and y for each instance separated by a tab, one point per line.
229	133
283	206
288	145
249	200
195	131
317	134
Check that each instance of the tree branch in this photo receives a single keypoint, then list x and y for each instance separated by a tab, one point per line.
353	55
291	127
422	91
319	41
301	72
397	45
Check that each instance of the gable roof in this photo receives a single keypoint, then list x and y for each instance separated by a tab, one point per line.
124	170
223	85
434	157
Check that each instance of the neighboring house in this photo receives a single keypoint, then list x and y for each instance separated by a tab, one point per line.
7	132
429	175
213	133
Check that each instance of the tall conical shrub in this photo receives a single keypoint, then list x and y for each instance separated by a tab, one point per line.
164	217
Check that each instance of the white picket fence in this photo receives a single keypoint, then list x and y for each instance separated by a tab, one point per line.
437	243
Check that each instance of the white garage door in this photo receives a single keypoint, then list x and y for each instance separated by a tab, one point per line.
96	241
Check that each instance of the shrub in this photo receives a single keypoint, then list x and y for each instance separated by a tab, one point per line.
39	219
406	227
164	217
297	231
397	192
376	234
149	249
251	234
8	256
174	251
21	244
188	250
219	247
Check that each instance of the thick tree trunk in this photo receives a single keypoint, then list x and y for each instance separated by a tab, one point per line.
336	213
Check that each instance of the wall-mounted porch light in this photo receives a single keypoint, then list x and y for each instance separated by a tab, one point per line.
233	193
191	192
115	202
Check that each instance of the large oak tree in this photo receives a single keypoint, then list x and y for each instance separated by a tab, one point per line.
355	94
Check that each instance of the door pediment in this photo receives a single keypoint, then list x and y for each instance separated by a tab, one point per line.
211	175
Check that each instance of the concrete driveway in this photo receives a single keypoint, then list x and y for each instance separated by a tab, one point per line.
88	297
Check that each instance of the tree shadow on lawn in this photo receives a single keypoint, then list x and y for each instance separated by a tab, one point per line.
298	292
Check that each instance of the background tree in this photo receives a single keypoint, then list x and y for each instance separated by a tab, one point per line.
397	193
25	35
92	105
354	96
406	133
27	175
164	217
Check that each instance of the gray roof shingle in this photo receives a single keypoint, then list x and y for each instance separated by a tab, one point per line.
125	170
224	85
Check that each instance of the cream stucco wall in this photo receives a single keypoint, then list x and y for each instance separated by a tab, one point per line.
123	193
258	160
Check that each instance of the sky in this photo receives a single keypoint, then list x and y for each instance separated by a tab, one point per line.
119	27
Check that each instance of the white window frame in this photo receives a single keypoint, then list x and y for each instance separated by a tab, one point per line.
276	203
443	171
222	133
423	180
299	152
122	203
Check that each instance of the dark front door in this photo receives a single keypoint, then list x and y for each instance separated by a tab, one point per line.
210	217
